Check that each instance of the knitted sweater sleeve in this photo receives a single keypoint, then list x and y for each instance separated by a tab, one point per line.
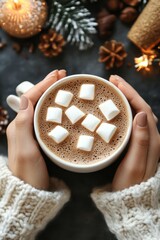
133	213
25	210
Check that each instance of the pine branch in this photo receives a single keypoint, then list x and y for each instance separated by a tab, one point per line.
73	21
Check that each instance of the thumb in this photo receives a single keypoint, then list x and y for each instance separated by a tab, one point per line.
24	123
137	153
29	164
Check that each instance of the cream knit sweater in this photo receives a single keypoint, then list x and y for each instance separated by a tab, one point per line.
131	214
25	210
134	213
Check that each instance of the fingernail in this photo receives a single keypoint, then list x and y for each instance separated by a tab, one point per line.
55	71
63	70
113	78
141	119
118	77
23	103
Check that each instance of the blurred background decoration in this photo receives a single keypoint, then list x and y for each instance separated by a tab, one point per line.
58	23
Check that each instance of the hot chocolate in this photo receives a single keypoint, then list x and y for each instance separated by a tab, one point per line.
67	150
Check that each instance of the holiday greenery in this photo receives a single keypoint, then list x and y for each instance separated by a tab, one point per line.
72	20
75	21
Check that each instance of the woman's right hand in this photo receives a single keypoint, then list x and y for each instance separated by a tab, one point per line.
24	156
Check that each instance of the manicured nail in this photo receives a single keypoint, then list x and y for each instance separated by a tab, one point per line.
55	71
118	77
63	70
23	103
141	119
113	78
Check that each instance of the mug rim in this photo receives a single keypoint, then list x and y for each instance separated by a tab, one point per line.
89	167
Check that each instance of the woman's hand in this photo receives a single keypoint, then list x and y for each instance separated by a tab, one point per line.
24	156
141	160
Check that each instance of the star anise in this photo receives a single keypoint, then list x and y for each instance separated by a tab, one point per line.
112	53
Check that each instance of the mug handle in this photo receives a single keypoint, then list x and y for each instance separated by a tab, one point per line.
13	101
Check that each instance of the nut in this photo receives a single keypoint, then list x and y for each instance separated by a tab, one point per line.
132	3
105	22
114	5
128	15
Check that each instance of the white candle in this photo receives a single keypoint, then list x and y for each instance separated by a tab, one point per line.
22	18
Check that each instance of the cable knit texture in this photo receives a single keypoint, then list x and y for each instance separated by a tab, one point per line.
133	213
25	210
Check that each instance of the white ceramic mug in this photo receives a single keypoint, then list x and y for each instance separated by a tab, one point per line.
76	167
13	101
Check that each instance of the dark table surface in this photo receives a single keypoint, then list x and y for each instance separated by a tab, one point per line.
79	219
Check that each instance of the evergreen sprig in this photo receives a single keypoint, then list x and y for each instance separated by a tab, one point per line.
73	21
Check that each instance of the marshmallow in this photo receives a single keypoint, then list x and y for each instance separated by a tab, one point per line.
91	122
109	109
85	143
106	131
74	114
63	98
87	91
58	134
54	114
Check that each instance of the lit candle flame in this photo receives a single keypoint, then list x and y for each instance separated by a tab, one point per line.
17	4
144	62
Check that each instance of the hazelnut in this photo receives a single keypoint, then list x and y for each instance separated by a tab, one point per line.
132	3
102	13
105	22
128	15
114	5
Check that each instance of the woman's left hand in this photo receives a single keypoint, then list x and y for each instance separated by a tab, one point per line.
141	160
